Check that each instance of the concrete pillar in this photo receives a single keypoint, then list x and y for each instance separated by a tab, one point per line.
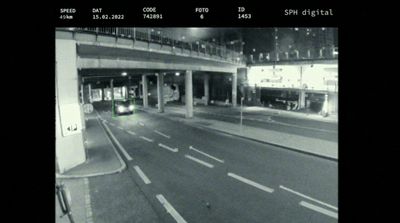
102	94
189	94
302	99
70	150
160	92
234	89
206	88
82	94
112	89
90	93
145	92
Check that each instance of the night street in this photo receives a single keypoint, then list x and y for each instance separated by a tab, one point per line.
211	177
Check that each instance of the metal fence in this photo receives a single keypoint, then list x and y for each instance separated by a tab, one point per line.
196	48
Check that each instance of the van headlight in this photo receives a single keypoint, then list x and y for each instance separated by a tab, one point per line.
131	107
120	108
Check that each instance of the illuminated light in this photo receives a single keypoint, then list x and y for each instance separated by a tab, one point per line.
131	107
323	28
120	108
254	50
183	37
177	74
124	73
296	29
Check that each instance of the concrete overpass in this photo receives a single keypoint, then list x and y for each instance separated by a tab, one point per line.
81	53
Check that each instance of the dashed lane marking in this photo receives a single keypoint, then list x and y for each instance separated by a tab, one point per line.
205	154
146	139
168	148
162	134
319	209
250	182
132	133
141	123
171	210
308	197
200	161
142	175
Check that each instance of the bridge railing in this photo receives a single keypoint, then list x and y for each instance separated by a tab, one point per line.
197	48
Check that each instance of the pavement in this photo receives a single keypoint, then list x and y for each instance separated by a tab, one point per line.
100	172
310	145
93	186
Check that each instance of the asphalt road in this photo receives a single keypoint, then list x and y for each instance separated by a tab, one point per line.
203	176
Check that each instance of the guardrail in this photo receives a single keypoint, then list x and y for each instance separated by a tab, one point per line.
324	53
198	48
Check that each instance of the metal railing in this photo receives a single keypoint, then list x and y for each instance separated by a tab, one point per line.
196	48
324	53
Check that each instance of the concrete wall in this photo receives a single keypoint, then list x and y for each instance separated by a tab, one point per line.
70	150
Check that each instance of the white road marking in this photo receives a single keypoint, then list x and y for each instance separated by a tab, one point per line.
167	147
142	175
132	133
171	210
305	196
112	124
162	134
205	154
199	161
141	123
319	209
118	144
252	183
147	139
119	127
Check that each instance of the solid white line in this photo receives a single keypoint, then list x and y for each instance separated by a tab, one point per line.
319	209
132	133
252	183
118	144
167	147
162	134
171	210
310	198
199	161
142	175
147	139
205	154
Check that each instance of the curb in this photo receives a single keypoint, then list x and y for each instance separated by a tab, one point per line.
123	164
252	139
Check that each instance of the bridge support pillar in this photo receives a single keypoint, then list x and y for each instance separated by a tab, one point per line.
189	94
70	150
234	89
206	89
145	92
160	92
302	99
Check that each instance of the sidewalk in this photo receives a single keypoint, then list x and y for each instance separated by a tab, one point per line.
257	110
302	144
102	159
